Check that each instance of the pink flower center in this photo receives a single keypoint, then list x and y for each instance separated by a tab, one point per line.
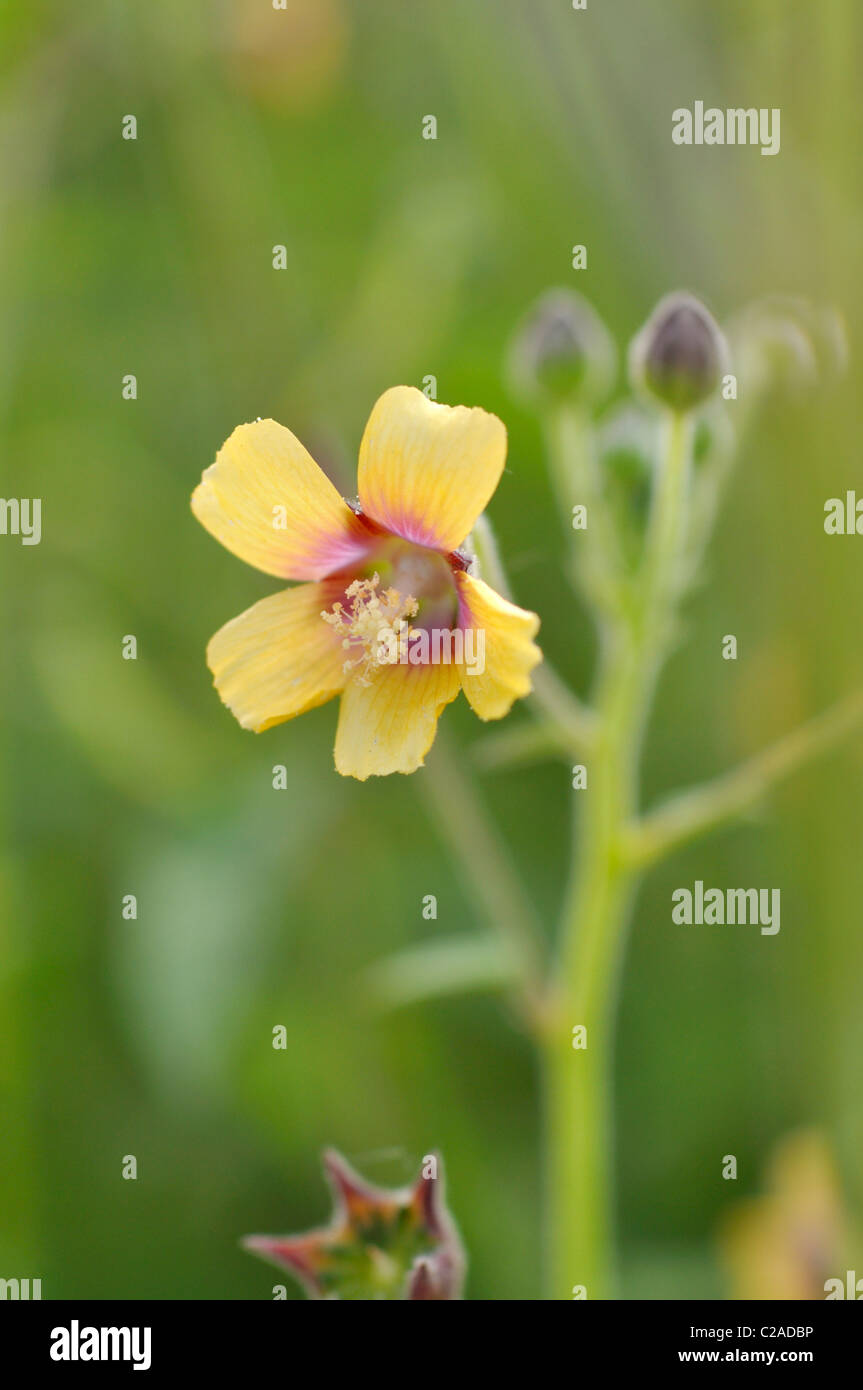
405	587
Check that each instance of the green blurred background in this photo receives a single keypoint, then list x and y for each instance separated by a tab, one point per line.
405	257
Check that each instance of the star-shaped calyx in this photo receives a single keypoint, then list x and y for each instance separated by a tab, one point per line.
381	1243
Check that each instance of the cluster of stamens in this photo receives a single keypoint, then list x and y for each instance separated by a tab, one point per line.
368	624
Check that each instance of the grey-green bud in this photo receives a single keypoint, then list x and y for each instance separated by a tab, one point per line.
562	351
680	355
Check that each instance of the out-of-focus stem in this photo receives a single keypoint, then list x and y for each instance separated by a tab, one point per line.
576	478
489	875
695	812
526	743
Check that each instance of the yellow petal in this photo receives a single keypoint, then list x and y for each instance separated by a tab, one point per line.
267	500
389	725
426	471
509	653
279	658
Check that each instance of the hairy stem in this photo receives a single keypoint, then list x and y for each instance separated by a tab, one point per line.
578	1080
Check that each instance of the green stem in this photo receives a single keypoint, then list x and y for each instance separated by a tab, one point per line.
578	1081
576	479
489	874
689	814
526	743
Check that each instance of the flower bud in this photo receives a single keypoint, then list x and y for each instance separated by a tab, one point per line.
562	350
785	341
680	355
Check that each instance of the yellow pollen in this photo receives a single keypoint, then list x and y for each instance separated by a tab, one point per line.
369	624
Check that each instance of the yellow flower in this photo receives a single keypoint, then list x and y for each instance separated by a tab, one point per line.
389	617
788	1243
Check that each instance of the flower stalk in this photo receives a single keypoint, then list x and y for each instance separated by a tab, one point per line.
578	1077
